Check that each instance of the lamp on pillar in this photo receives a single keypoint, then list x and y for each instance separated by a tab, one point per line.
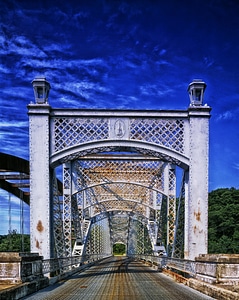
41	89
196	92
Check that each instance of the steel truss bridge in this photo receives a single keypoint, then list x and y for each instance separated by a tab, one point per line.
120	172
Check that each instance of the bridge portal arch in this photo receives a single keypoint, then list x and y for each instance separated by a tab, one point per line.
110	155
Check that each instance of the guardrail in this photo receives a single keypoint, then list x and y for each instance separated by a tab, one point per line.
177	265
55	266
183	265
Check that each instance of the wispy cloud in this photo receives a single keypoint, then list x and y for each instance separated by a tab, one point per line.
228	115
155	90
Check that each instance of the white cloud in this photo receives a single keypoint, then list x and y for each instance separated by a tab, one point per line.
226	115
4	69
155	90
22	46
12	124
236	166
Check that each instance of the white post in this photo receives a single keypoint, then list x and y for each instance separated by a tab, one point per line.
198	181
40	203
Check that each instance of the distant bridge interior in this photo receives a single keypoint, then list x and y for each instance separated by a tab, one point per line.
100	178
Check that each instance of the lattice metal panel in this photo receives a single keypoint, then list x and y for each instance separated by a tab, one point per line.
178	245
121	191
98	240
73	131
161	218
138	240
120	205
76	218
119	226
108	195
67	208
171	208
166	132
57	221
98	171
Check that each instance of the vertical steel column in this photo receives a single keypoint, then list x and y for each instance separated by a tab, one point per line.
67	207
178	243
57	220
171	206
186	215
170	187
40	195
198	181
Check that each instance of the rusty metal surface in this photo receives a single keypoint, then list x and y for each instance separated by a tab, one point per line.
118	278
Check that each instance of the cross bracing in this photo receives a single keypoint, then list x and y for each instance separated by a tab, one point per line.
123	190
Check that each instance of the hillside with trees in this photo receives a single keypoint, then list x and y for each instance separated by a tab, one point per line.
15	242
223	221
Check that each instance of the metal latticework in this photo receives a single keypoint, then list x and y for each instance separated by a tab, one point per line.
67	217
119	227
166	132
139	240
98	238
59	239
178	243
171	208
69	131
116	189
119	167
162	221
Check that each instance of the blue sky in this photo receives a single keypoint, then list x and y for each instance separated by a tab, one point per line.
123	54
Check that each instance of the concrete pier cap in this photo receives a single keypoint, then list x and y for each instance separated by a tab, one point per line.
20	267
218	268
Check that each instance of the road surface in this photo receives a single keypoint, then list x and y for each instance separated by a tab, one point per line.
118	278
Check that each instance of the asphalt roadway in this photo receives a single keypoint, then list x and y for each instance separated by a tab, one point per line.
118	278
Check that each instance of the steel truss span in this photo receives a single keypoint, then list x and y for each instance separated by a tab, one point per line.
139	178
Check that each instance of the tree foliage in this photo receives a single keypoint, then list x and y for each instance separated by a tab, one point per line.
119	249
223	221
15	242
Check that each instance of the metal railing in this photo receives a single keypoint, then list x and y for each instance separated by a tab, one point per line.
60	265
55	266
175	264
183	265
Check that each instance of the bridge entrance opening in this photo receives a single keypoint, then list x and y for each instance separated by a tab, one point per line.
119	249
119	170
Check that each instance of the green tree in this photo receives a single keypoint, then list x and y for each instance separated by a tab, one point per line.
223	221
15	242
119	249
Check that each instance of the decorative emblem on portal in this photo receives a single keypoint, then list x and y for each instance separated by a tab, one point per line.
119	128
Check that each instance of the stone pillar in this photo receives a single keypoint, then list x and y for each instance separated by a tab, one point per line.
218	268
40	198
18	268
197	206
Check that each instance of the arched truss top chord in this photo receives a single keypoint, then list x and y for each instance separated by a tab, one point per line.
120	192
121	182
141	149
98	172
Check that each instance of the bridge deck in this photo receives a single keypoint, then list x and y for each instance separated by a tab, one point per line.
118	278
